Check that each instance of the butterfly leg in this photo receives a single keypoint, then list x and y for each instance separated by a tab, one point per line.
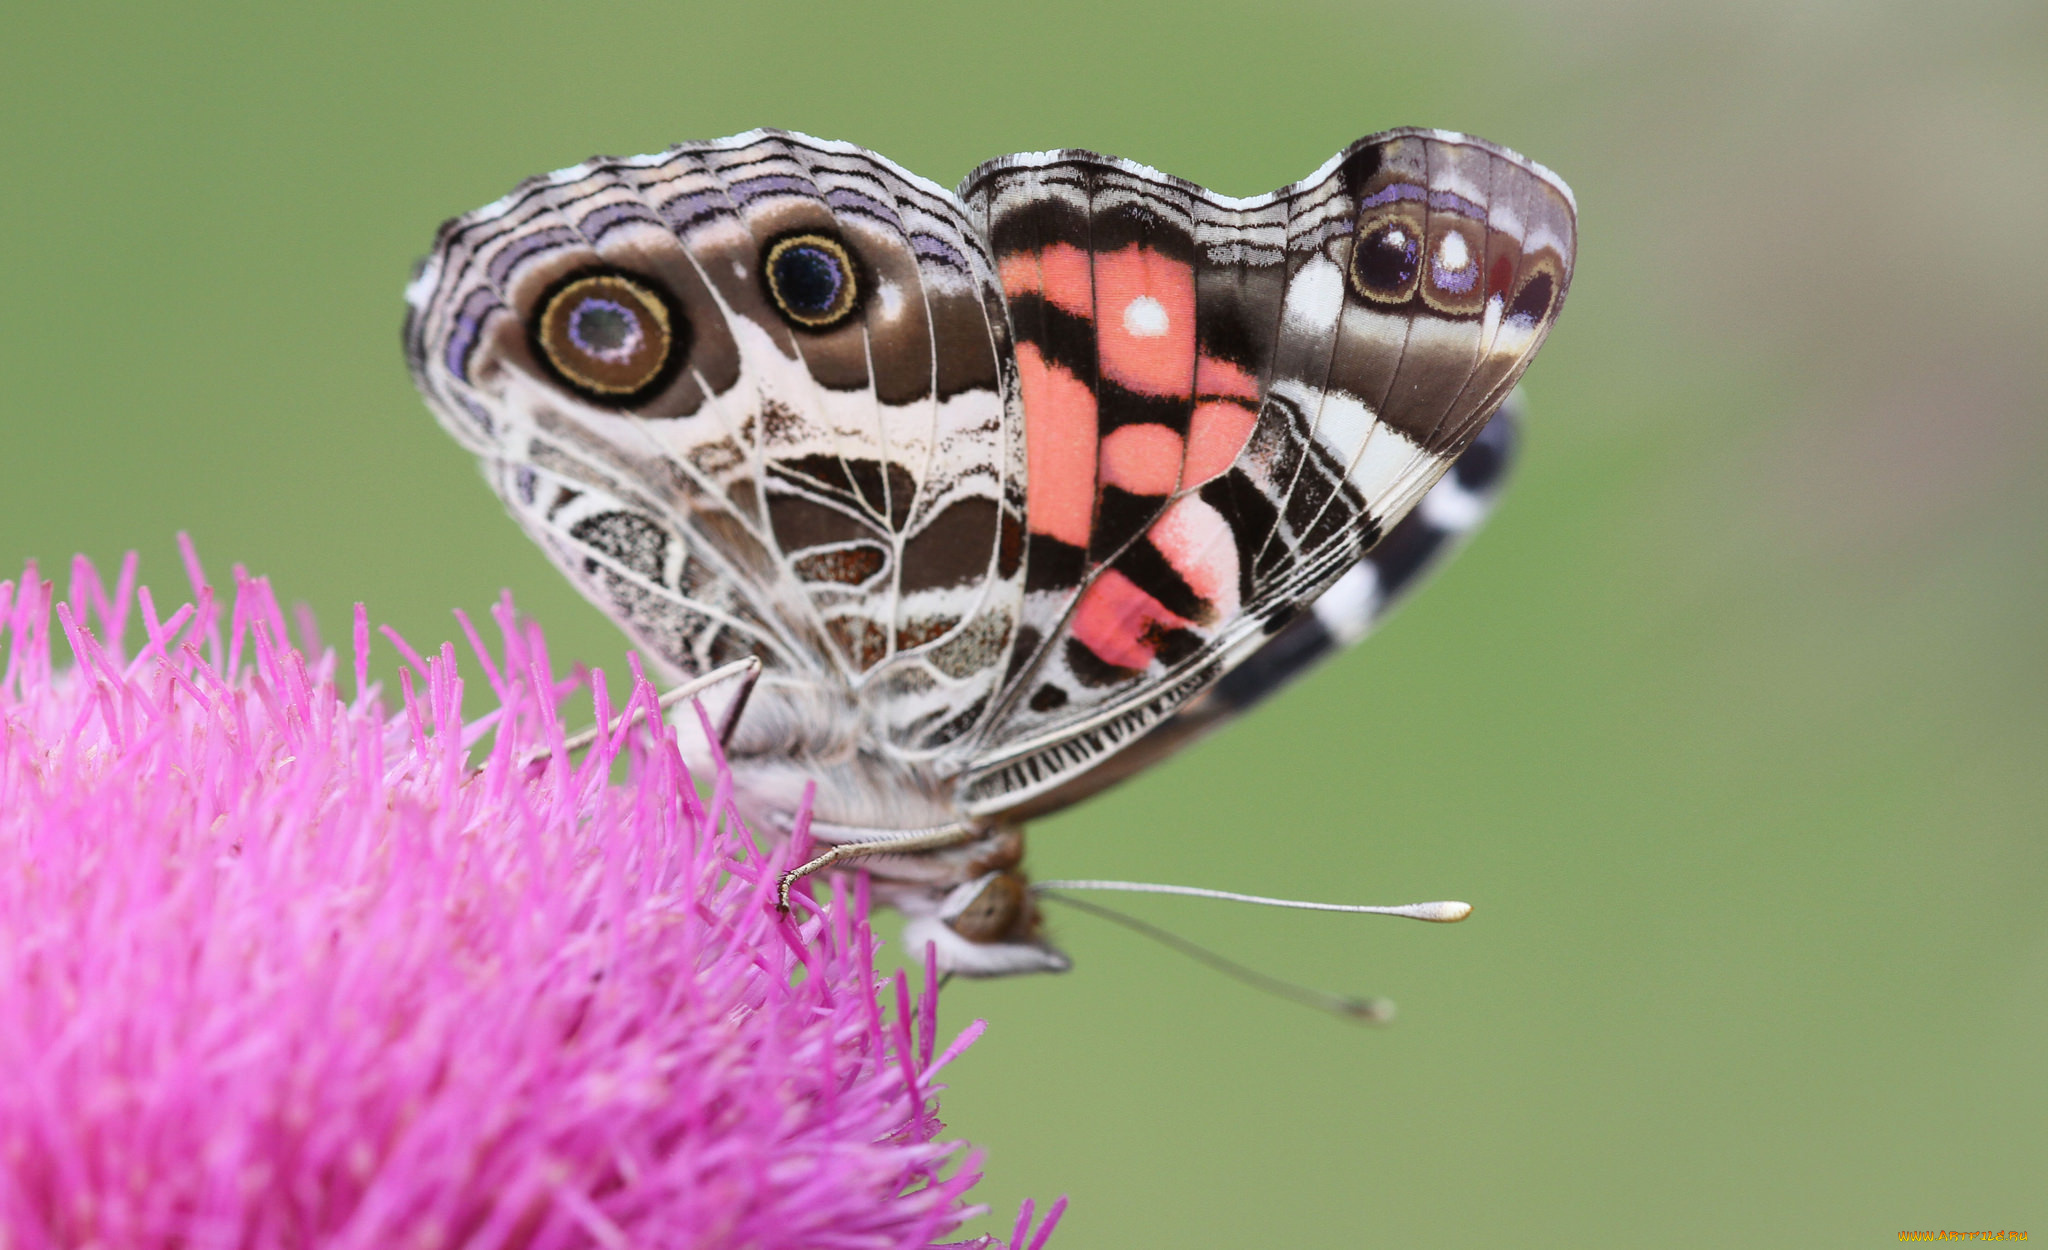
907	842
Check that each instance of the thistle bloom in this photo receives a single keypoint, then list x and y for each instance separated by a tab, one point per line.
280	968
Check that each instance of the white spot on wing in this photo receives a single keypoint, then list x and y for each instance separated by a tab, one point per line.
1343	423
1315	298
889	301
1145	318
1452	253
1386	457
422	286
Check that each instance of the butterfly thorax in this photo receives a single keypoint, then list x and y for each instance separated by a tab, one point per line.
962	888
967	896
850	785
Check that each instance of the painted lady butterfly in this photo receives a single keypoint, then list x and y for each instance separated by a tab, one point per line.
1010	491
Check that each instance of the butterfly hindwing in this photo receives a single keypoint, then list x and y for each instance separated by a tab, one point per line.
1367	321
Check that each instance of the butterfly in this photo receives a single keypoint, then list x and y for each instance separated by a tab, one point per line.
1009	490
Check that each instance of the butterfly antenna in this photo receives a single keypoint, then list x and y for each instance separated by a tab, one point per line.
1367	1010
1436	913
747	671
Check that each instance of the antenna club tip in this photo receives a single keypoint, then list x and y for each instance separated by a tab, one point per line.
1369	1010
1442	913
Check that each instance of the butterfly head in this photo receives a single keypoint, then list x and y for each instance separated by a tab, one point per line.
987	927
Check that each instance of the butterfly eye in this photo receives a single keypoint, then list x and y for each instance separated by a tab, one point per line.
812	280
996	910
610	336
1386	261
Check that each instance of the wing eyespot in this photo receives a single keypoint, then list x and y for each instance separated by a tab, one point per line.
1386	262
812	278
1455	256
612	337
1533	304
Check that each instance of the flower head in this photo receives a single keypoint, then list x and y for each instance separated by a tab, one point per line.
281	967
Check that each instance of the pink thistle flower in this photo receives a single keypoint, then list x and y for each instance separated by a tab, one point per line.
283	970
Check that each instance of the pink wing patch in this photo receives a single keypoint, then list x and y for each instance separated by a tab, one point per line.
1142	459
1120	623
1157	419
1226	408
1059	448
1084	436
1140	304
1145	335
1060	272
1125	626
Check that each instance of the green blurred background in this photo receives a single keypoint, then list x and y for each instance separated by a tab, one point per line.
1732	724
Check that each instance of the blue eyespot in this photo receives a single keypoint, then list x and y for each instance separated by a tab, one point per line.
605	329
811	280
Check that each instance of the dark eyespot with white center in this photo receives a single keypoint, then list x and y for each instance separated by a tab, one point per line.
1533	304
1386	260
812	279
612	337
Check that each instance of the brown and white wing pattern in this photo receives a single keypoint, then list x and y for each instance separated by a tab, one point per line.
1229	402
753	397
